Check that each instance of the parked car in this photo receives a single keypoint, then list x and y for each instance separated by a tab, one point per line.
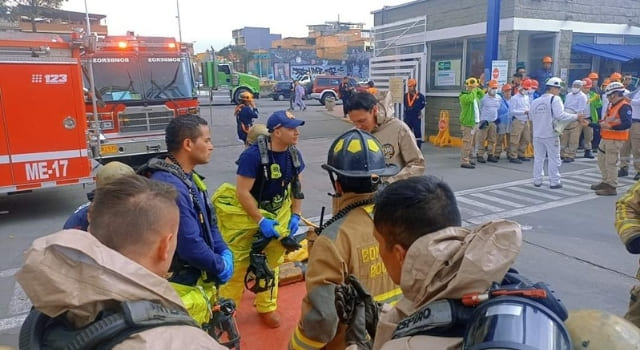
325	86
281	90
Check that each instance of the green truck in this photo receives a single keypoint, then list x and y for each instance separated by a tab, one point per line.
221	76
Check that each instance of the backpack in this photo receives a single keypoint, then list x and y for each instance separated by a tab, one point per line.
110	328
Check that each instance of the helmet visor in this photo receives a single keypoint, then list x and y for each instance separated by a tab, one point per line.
515	323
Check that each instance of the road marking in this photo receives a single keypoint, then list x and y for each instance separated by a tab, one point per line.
575	182
534	193
19	302
8	272
536	208
11	322
478	204
516	196
575	188
466	212
514	183
497	200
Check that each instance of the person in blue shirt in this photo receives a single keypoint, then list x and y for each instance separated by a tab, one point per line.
79	220
270	200
414	103
543	74
201	253
245	113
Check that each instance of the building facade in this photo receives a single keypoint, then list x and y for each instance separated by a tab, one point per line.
254	38
442	42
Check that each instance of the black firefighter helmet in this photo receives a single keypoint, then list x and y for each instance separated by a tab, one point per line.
358	154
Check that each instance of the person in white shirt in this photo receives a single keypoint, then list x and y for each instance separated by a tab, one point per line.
575	102
546	110
632	145
519	110
487	132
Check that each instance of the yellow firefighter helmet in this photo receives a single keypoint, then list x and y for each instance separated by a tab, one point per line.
595	330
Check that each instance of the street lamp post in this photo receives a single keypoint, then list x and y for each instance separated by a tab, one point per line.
179	26
260	62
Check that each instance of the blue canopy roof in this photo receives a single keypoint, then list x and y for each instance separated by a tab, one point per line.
621	53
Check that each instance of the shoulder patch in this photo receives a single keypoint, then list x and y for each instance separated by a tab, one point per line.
389	150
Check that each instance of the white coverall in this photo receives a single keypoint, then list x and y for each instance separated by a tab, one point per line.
545	141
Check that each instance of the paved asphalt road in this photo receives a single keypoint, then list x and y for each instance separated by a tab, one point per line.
569	237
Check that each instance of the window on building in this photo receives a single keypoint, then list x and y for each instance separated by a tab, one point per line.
475	57
446	65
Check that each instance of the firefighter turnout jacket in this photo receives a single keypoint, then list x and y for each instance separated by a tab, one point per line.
346	246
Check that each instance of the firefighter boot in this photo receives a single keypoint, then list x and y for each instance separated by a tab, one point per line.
597	186
270	319
607	190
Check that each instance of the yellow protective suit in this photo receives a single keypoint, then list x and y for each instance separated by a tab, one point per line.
239	230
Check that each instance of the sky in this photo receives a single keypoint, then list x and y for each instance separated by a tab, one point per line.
210	22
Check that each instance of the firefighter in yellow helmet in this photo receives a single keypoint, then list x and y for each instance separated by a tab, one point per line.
595	330
469	119
344	245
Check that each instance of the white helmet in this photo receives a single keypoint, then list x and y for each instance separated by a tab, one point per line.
579	83
554	82
614	87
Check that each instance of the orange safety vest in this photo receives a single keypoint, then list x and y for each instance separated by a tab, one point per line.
613	118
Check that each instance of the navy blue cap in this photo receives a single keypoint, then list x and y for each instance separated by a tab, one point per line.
283	119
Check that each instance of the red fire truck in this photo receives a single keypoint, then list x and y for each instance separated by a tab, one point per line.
141	84
43	128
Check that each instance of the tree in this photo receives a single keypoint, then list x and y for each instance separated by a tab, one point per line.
239	55
34	8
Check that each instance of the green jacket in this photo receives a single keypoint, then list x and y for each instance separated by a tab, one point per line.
467	117
595	103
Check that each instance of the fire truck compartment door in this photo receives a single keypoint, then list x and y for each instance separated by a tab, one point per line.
6	176
44	121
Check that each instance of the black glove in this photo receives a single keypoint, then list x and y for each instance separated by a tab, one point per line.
483	124
357	331
497	121
372	309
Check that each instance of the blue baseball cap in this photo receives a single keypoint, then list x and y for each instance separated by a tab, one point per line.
283	119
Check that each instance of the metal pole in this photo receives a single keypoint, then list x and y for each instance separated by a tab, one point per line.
493	36
92	86
179	26
259	63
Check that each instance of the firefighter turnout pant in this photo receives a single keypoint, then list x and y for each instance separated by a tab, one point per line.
241	248
633	314
519	139
468	138
631	147
608	152
488	135
570	139
546	147
500	146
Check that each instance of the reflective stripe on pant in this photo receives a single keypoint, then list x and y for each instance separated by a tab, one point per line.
607	160
467	143
519	139
631	146
570	139
241	247
487	134
415	125
549	147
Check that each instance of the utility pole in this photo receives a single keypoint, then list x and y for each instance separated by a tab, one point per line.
179	26
492	37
